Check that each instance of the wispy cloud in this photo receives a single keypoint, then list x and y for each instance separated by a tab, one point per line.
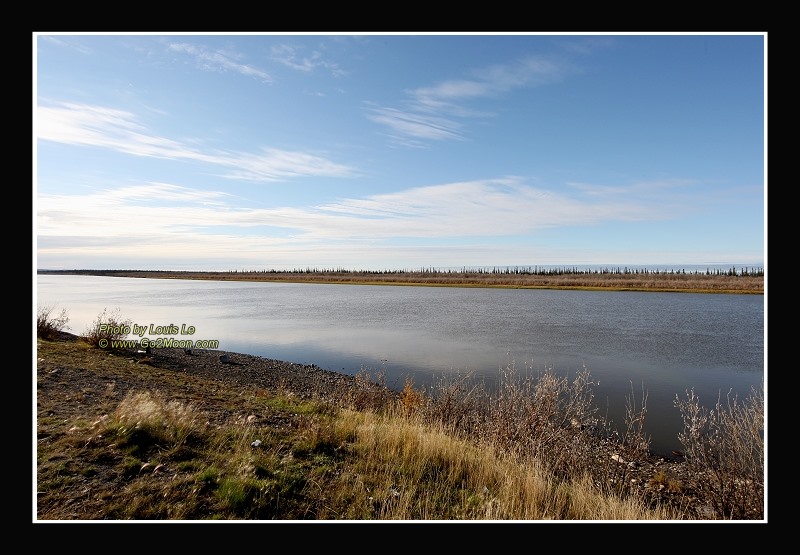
69	42
294	57
488	82
274	164
411	128
639	187
179	226
216	60
98	126
138	212
501	207
586	44
438	112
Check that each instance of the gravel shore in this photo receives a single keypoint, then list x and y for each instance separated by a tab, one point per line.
303	380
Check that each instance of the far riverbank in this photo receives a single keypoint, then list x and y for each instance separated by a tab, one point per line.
732	281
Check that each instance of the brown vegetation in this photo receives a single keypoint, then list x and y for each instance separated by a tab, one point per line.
741	280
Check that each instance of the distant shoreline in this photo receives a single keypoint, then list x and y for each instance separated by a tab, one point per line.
742	281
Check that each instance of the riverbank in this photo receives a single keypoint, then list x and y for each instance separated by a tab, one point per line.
741	281
251	437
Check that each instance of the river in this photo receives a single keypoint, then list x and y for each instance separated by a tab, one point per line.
632	343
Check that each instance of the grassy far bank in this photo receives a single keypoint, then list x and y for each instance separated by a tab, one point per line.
739	281
125	435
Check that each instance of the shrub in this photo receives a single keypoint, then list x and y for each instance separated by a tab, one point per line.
410	399
49	326
107	325
724	449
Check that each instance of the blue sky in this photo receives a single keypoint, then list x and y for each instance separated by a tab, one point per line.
282	151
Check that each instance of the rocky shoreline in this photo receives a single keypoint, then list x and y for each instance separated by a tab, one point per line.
654	477
304	380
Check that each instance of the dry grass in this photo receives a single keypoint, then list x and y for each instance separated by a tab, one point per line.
408	469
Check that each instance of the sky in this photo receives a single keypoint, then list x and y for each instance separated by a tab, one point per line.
219	152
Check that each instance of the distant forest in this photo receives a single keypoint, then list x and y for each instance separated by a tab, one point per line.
431	272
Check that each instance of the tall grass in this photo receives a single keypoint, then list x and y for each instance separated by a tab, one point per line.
408	469
543	417
552	423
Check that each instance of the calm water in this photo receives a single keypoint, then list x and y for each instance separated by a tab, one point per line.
660	343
